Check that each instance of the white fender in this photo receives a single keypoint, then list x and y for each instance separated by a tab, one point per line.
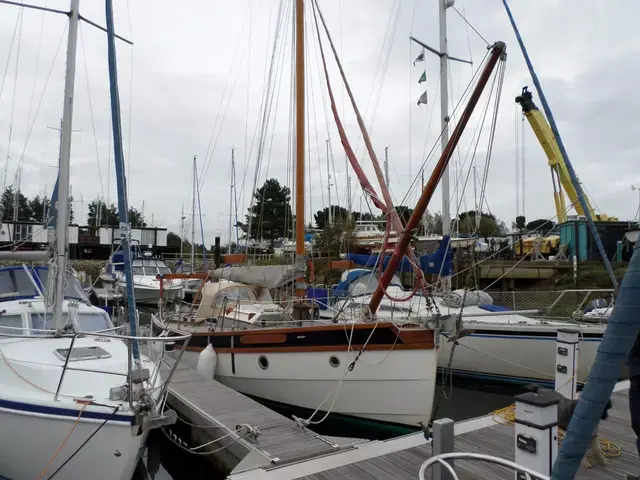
207	361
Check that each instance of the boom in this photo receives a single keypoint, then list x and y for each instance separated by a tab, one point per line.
559	173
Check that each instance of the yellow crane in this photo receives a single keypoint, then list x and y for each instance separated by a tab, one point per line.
559	173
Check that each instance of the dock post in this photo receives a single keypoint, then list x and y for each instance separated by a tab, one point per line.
567	356
536	431
443	442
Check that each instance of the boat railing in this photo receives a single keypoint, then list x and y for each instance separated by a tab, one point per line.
167	340
444	458
551	304
168	337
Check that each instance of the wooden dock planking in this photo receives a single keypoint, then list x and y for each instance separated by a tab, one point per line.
207	402
495	439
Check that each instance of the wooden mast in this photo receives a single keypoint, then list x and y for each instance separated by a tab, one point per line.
299	76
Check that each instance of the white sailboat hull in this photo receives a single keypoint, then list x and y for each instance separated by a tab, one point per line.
515	354
29	439
395	387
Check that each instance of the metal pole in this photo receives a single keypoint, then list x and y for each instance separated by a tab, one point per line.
233	150
444	109
300	140
329	180
123	204
182	217
62	224
193	218
498	51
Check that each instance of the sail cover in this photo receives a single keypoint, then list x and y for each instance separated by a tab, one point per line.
439	262
269	276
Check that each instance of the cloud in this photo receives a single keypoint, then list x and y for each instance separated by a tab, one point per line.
191	65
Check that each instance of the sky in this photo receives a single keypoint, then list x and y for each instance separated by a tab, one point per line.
193	85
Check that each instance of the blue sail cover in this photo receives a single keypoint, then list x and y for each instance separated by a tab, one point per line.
431	263
52	214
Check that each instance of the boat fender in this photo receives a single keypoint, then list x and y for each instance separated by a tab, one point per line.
207	361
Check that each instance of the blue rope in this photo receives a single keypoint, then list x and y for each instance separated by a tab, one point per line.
563	151
123	210
204	248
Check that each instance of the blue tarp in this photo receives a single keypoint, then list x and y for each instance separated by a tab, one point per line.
431	263
494	308
321	295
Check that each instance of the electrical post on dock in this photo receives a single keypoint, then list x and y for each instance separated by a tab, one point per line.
536	431
567	357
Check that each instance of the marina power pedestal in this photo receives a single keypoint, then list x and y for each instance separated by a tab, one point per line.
536	431
567	356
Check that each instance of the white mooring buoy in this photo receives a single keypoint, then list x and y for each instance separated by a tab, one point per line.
207	362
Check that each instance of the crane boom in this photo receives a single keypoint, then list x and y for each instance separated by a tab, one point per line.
559	173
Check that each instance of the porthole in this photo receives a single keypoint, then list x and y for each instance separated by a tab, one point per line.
334	361
263	362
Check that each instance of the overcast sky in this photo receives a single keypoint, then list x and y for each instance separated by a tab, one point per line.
193	82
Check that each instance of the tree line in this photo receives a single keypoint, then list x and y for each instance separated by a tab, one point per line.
271	217
37	210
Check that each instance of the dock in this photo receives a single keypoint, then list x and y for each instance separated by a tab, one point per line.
401	458
218	410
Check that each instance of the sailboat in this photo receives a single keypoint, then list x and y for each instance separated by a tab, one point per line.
376	371
77	396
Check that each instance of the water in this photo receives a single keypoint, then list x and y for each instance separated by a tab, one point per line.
461	404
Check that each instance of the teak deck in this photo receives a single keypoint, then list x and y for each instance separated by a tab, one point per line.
220	409
400	458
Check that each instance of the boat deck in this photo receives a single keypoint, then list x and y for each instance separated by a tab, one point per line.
219	409
401	458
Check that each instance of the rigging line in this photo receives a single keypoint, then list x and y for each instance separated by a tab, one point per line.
476	137
311	94
277	98
364	182
492	132
470	24
378	67
455	109
13	98
130	112
93	123
262	98
466	29
279	62
216	125
13	38
46	83
477	143
383	74
265	95
246	110
35	75
268	97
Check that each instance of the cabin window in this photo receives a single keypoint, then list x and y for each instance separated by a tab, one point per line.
234	294
15	282
10	321
163	269
93	322
42	321
137	270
